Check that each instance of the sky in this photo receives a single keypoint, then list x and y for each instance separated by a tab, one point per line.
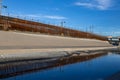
97	16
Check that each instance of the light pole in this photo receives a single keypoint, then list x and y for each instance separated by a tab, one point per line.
62	23
0	7
91	29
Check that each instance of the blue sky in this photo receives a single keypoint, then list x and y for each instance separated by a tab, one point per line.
102	15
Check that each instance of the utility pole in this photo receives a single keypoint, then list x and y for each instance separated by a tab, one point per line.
0	7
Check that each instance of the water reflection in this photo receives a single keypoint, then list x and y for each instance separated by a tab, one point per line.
99	68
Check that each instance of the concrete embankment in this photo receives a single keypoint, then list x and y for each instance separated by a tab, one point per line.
39	54
18	40
16	46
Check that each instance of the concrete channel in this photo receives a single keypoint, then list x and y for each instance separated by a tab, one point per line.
13	64
21	52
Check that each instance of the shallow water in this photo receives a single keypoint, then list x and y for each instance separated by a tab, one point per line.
99	68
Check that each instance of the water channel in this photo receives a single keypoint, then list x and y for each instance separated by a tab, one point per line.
104	67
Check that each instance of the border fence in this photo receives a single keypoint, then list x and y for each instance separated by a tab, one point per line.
10	23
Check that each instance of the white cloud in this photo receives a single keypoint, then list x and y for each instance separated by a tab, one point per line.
97	4
84	4
104	4
38	16
55	17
